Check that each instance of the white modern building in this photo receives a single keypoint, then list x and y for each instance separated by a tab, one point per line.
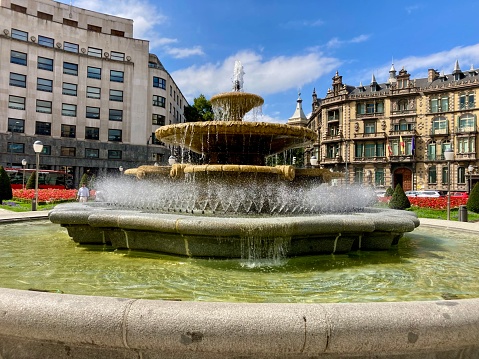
79	82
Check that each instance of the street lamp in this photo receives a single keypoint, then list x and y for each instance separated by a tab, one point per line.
470	169
37	147
171	160
313	160
449	156
120	169
24	163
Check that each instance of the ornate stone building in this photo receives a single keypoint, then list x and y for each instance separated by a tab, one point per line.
79	82
396	132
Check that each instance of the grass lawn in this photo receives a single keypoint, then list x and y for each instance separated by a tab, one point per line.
20	206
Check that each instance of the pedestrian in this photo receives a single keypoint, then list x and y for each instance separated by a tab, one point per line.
83	193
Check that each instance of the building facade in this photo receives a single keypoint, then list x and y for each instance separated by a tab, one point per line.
385	134
79	82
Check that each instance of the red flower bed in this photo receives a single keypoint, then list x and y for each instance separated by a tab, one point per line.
432	202
45	195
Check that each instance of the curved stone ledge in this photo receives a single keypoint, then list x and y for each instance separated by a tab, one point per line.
64	326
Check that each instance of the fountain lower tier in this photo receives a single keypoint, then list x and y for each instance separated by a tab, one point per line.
235	142
234	237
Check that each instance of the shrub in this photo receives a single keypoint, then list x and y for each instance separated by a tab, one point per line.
473	201
389	192
399	199
5	186
31	181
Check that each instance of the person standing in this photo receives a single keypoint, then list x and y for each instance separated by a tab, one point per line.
83	193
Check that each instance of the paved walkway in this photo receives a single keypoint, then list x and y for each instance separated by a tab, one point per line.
9	216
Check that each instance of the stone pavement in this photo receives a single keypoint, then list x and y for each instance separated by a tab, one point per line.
10	216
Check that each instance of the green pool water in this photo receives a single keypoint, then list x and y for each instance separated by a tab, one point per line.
428	264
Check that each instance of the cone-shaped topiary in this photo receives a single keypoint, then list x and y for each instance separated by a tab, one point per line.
473	201
399	199
85	179
31	181
5	185
389	192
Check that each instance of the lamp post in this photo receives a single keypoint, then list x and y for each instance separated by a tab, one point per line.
24	163
313	160
121	170
37	147
171	160
470	169
449	156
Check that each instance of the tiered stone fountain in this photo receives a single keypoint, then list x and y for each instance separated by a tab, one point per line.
234	205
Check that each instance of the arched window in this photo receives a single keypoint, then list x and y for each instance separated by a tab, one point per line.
439	125
467	123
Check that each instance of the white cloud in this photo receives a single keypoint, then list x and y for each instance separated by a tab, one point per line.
335	42
180	53
262	76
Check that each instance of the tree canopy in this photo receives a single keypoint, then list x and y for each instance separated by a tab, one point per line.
200	111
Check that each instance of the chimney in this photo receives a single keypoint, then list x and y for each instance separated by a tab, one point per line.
432	75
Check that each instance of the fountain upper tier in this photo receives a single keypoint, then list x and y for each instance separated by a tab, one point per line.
232	106
235	142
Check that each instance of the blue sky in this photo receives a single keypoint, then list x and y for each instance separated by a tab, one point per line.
289	46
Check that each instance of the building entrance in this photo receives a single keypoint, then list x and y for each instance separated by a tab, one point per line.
403	176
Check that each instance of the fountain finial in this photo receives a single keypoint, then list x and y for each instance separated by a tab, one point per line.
238	76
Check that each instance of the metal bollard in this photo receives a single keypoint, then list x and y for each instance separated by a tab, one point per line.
462	213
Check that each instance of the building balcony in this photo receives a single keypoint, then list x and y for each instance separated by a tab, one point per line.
337	159
393	133
401	158
375	159
403	113
361	116
439	131
430	157
466	129
465	156
332	138
369	136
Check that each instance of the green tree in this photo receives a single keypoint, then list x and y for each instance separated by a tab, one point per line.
473	200
399	199
5	186
85	179
200	111
31	181
389	192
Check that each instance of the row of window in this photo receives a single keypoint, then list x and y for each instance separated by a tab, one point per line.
20	80
67	46
66	151
42	106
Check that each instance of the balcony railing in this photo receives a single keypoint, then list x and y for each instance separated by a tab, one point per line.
439	131
401	158
465	156
431	157
402	133
466	129
336	159
370	115
371	159
370	135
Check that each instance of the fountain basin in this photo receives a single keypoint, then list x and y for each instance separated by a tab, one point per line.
235	142
214	236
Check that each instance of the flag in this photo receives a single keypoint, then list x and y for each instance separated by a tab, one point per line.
401	145
390	151
413	145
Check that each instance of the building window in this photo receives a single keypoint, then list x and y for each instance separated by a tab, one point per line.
70	22
159	101
115	115
370	127
114	135
19	35
69	89
92	112
358	175
117	56
466	101
70	69
116	76
16	125
44	63
466	144
67	151
69	110
432	178
94	72
45	41
116	95
467	123
44	106
155	141
445	175
332	150
16	102
70	47
159	82
44	16
117	33
92	133
44	85
18	8
43	128
379	177
93	51
158	119
370	150
461	174
68	131
93	92
403	125
439	125
440	104
114	155
94	28
18	80
92	153
15	147
369	108
19	58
